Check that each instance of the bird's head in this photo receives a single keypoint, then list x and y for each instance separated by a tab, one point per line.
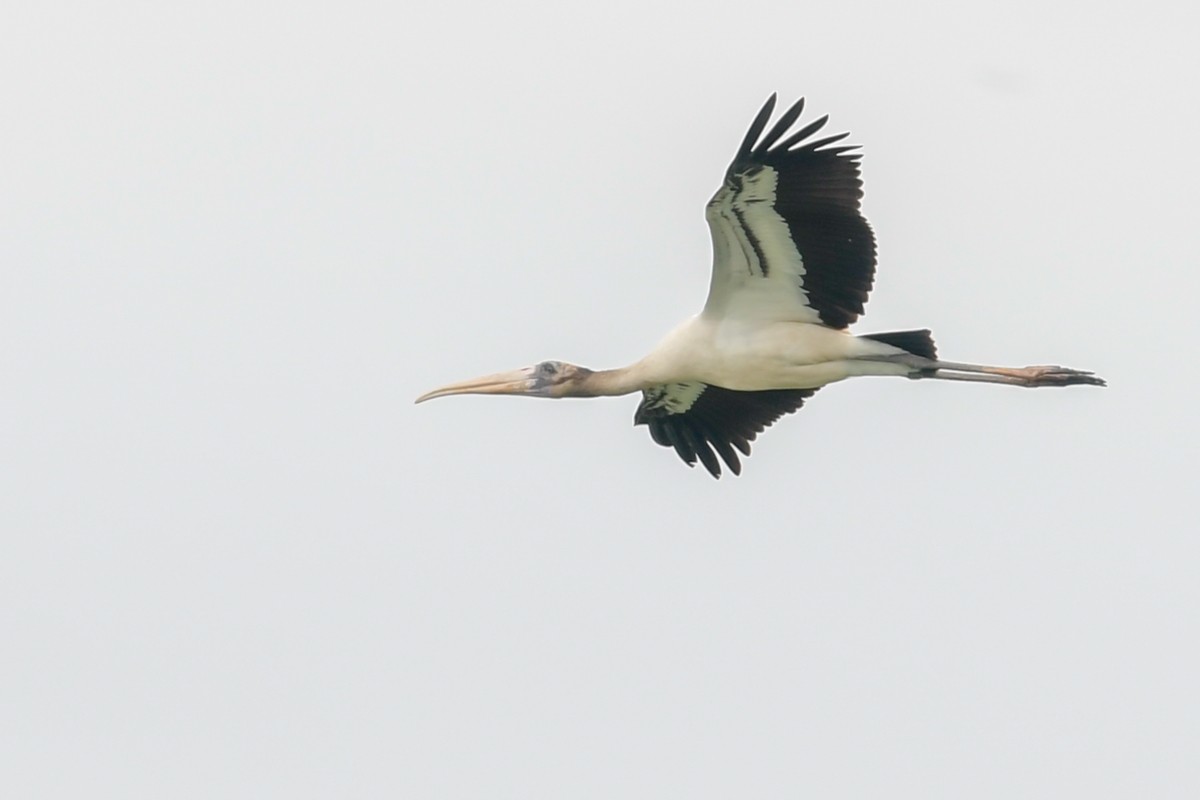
547	379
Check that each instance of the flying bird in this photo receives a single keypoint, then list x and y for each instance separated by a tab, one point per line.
793	262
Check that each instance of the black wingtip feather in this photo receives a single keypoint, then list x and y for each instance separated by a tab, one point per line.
756	128
780	127
677	435
728	455
802	134
819	143
698	445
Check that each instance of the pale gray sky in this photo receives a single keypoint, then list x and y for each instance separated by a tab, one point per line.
239	239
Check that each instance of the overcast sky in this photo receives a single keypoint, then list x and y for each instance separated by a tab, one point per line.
237	561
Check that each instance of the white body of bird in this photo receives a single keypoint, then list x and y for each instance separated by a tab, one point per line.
752	355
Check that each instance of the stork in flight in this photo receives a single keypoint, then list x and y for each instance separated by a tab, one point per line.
793	261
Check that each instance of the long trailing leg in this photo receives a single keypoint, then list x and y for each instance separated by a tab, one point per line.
1044	375
1032	377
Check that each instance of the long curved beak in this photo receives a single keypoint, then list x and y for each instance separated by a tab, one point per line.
518	381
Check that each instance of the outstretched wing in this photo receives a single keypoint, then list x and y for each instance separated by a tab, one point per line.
697	418
789	242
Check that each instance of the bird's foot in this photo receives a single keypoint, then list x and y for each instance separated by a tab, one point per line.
1056	376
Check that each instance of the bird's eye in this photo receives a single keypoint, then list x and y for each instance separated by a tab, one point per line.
549	368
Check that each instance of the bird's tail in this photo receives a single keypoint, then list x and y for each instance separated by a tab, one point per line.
919	343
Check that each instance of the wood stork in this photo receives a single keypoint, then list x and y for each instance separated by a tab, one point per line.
793	261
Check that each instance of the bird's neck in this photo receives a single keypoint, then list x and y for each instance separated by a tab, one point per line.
612	382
